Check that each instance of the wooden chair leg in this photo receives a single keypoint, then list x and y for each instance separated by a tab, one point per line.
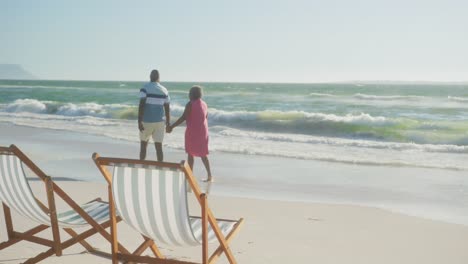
156	251
142	247
68	243
147	243
53	216
85	244
229	237
28	233
212	220
204	215
8	221
113	227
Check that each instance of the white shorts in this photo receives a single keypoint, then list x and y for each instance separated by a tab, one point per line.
156	130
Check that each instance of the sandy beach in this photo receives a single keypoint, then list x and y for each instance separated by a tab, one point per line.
281	232
275	231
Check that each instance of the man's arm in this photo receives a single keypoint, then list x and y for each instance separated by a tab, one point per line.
141	111
167	110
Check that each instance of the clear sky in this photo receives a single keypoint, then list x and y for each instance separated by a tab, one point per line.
241	40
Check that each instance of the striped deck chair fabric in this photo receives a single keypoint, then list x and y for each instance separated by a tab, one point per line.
16	193
153	200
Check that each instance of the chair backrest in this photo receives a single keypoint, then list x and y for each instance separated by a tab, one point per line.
153	200
15	191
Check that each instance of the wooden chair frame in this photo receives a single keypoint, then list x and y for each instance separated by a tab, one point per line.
206	215
56	245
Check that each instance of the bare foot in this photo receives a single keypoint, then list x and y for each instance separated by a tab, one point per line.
209	179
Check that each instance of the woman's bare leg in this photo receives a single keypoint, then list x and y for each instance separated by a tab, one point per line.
206	162
190	161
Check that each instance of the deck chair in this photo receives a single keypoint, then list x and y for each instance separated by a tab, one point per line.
16	194
151	197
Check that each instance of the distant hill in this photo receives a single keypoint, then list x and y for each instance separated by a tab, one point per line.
15	72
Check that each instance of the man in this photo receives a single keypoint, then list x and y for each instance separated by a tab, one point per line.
154	105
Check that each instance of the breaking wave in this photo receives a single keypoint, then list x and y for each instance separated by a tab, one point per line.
387	97
458	99
348	126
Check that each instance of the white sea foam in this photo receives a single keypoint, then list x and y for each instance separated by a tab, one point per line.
27	105
340	142
321	94
215	115
12	86
458	99
221	115
257	143
91	109
361	126
362	118
387	97
66	109
296	122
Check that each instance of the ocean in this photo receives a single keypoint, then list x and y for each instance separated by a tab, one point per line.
381	124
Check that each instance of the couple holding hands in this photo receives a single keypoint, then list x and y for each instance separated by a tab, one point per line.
154	121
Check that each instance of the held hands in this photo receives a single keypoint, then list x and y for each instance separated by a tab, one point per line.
169	128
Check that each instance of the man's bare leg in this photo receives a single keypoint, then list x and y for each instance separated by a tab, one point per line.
206	162
143	145
159	151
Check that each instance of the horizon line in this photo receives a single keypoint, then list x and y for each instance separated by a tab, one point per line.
372	81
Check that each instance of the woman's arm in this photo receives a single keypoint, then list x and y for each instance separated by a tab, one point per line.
181	119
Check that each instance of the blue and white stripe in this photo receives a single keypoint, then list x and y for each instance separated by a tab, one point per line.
156	96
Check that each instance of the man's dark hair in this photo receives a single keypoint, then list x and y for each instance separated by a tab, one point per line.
196	92
154	76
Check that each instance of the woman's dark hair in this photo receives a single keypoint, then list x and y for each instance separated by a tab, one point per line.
196	92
